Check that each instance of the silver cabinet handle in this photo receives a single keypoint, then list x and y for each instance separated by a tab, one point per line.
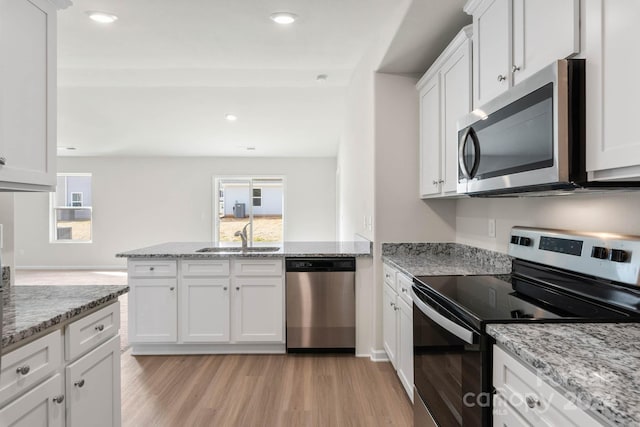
79	384
99	328
23	370
3	161
435	182
515	68
532	401
441	181
392	304
404	290
396	308
58	399
501	78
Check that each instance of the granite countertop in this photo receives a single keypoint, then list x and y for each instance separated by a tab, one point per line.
597	365
289	249
440	259
31	310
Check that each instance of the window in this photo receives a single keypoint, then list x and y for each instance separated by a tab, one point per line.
257	201
71	209
257	197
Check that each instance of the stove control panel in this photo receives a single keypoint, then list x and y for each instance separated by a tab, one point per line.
611	256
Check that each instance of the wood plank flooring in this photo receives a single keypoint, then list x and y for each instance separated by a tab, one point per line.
261	390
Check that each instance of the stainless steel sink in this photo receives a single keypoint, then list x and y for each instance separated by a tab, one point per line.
236	249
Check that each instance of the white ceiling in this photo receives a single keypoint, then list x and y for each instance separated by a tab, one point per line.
160	79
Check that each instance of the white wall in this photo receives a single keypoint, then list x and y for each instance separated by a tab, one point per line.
144	201
606	212
7	221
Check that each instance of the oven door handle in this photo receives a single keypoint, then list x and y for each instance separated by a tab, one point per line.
461	332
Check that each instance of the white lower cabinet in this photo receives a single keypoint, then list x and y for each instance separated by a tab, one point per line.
522	398
42	406
40	387
258	309
206	306
93	387
397	325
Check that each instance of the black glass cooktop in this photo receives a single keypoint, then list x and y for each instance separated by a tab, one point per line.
479	300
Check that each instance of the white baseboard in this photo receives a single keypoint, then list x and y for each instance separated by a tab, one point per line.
379	356
140	349
72	267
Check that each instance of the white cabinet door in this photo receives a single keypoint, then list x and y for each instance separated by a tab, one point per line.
405	346
390	324
543	32
93	387
27	94
613	88
258	309
456	102
204	309
491	50
42	406
430	138
505	416
153	310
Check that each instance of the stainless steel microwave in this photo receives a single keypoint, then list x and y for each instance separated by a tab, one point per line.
529	139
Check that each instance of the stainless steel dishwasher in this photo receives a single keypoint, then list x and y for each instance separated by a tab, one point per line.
321	304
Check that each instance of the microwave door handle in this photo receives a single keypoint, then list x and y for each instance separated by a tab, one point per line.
461	332
462	161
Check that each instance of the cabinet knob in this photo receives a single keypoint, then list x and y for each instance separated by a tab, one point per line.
435	182
99	328
23	370
79	384
171	288
532	401
151	268
392	304
441	181
3	161
515	68
404	290
237	288
501	78
58	399
396	308
224	289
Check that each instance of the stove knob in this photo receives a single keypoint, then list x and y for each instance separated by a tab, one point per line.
525	241
618	255
515	240
599	252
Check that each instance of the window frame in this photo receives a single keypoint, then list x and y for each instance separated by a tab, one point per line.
53	208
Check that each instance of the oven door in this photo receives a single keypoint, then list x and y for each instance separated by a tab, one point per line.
449	366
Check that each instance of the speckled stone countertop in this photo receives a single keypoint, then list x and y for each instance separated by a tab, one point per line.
31	310
597	365
439	259
289	249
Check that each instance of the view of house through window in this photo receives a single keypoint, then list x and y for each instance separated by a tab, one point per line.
258	202
71	209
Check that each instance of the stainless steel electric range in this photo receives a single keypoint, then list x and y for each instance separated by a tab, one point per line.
557	276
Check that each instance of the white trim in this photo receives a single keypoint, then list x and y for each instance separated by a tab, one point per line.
72	267
379	356
159	349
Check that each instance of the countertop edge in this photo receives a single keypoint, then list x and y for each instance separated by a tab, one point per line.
11	342
581	396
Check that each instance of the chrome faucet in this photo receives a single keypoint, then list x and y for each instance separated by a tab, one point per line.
243	235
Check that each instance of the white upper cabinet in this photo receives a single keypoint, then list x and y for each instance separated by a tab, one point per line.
515	38
613	88
27	95
445	96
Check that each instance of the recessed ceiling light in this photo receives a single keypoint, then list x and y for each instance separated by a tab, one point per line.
284	18
321	78
102	17
231	117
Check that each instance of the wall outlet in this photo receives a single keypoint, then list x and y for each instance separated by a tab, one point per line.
492	227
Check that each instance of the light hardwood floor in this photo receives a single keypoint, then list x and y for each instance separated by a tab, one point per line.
261	390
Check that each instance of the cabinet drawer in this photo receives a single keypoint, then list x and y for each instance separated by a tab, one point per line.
29	364
86	333
403	286
205	268
152	268
389	275
533	399
257	267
